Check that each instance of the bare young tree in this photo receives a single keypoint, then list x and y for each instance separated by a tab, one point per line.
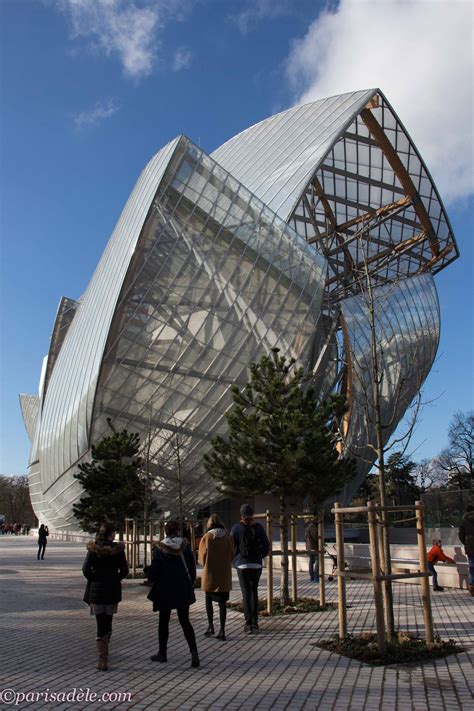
428	474
457	460
380	373
164	452
15	502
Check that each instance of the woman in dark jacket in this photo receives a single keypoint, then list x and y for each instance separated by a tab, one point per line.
104	567
43	534
172	572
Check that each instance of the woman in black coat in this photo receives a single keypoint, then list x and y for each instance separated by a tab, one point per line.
43	534
104	567
172	572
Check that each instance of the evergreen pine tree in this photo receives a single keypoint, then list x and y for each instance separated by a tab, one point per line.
280	441
113	487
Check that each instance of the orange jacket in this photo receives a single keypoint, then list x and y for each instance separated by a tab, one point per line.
436	554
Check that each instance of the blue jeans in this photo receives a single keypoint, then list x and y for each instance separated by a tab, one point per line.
470	558
433	572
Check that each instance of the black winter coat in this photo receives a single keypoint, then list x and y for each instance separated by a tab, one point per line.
43	534
172	586
466	532
104	567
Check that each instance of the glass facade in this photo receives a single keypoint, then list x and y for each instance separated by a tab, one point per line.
217	259
407	326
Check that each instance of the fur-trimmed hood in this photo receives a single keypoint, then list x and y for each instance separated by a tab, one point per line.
174	545
217	532
105	549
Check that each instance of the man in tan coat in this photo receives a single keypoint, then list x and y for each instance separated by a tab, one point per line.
216	551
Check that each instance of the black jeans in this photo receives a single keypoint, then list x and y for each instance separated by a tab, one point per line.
41	549
210	612
248	579
104	624
164	624
313	565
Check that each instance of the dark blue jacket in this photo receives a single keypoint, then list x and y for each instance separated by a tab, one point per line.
172	586
236	534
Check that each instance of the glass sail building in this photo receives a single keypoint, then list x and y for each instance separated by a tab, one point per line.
273	240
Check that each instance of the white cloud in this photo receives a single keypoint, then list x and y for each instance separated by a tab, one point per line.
419	52
258	10
127	29
182	59
94	116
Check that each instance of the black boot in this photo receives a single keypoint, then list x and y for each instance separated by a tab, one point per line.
210	631
194	658
221	634
160	657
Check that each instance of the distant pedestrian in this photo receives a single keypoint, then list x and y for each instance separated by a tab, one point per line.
437	555
311	537
466	536
216	552
43	534
172	572
105	567
251	546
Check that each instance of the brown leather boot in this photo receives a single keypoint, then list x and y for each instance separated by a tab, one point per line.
103	651
471	590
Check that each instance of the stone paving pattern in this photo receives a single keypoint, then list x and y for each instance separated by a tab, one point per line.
48	642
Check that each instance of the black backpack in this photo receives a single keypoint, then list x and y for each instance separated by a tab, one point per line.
249	545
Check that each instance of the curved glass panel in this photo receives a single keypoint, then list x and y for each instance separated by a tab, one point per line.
217	280
29	405
407	328
67	407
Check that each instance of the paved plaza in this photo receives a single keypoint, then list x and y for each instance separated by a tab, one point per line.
47	640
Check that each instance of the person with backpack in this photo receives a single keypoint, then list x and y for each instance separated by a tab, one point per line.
251	545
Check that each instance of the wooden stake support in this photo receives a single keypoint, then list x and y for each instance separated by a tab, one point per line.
341	579
294	572
378	596
269	565
322	582
425	583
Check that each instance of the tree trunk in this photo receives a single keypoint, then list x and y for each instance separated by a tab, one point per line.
376	376
284	591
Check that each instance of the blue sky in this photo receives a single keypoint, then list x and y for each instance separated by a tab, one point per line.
91	89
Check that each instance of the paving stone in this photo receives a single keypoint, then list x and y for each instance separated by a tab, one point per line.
49	637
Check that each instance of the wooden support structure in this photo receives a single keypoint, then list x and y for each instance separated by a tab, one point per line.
378	595
322	581
294	550
379	135
341	579
269	564
425	583
134	548
378	575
